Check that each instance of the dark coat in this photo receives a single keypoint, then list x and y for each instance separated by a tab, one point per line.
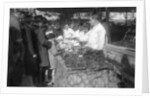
43	46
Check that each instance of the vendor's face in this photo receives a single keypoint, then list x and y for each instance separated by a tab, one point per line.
66	26
91	21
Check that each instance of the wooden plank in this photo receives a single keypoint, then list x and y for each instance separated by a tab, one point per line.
123	50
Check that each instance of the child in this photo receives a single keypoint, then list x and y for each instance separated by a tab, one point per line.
51	53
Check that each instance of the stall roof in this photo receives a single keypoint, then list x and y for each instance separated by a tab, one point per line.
75	10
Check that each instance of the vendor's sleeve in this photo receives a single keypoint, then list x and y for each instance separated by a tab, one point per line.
101	41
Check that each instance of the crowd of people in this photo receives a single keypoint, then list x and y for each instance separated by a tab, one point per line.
34	43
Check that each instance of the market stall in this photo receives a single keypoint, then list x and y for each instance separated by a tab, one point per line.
79	68
76	60
75	65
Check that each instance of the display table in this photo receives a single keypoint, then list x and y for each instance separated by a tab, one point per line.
87	75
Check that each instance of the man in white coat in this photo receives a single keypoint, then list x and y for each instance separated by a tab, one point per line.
95	38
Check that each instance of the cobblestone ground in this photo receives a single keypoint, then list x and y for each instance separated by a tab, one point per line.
84	78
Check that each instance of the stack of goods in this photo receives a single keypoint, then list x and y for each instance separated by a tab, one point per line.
74	53
87	61
74	61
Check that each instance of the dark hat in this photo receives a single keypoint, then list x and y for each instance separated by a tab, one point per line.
40	18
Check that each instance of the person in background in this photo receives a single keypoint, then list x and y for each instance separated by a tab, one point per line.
43	45
95	37
76	30
51	54
68	32
30	55
16	52
83	29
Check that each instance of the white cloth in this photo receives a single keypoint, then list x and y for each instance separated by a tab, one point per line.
82	36
49	32
76	34
96	37
68	33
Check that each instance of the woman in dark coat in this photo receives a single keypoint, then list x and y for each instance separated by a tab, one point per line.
43	46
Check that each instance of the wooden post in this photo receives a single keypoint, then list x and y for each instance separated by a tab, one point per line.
108	35
107	15
126	17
